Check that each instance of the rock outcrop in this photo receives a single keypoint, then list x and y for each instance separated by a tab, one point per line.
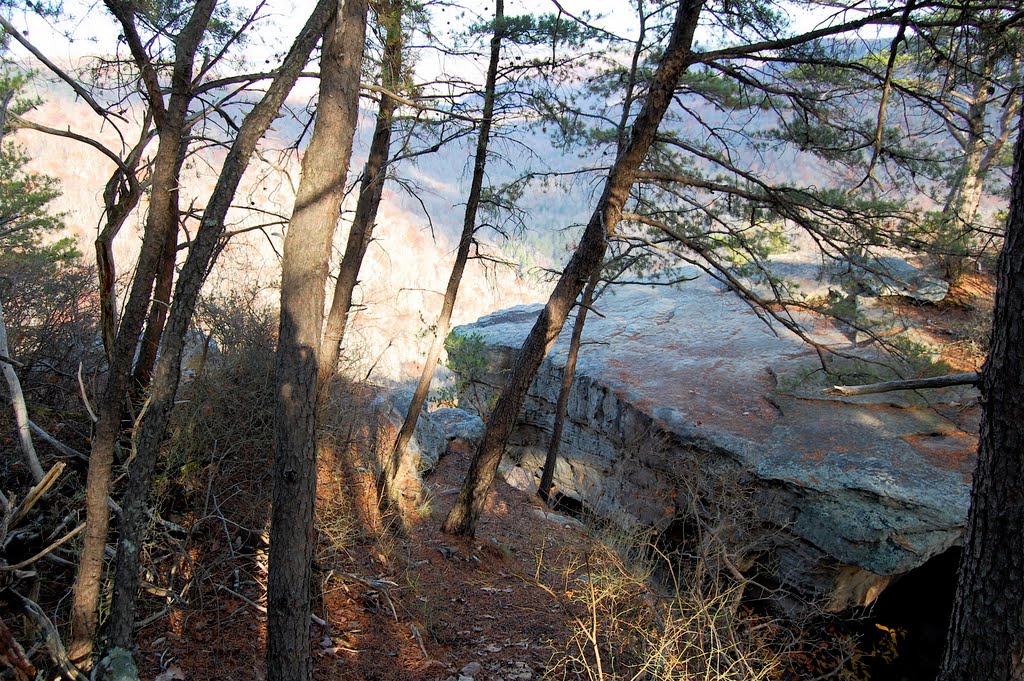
434	430
684	399
425	448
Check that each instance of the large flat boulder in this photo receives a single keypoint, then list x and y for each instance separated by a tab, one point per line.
685	398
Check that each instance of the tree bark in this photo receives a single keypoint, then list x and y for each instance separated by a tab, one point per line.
307	249
371	190
201	255
986	634
451	293
84	610
162	288
584	262
120	197
547	476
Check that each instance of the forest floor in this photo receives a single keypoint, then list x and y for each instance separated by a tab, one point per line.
396	602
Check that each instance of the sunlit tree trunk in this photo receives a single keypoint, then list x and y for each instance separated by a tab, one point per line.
204	248
161	290
307	249
162	222
120	197
371	189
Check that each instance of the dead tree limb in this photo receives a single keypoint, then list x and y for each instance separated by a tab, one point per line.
36	493
970	378
45	552
55	443
13	654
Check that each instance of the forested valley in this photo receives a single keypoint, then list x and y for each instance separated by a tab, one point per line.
417	339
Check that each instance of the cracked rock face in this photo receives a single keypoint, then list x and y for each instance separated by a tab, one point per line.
685	395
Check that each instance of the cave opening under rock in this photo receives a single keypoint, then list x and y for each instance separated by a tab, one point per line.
917	606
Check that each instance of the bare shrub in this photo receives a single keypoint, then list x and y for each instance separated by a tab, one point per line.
215	478
223	425
347	507
51	308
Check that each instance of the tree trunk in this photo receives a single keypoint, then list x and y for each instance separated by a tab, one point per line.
584	262
120	197
551	459
162	289
84	610
451	293
964	197
986	634
371	189
546	478
307	249
193	273
962	202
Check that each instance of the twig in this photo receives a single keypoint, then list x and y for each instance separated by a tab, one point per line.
419	639
380	585
886	89
152	618
151	514
44	552
73	83
12	362
970	378
85	397
24	124
262	608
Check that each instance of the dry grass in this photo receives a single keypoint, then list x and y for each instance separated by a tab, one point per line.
641	611
646	618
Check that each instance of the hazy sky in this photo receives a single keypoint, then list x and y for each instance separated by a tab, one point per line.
88	29
88	24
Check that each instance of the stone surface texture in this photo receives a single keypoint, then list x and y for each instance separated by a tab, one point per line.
684	398
459	424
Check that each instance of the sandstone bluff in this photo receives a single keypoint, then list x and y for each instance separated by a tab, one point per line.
678	390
